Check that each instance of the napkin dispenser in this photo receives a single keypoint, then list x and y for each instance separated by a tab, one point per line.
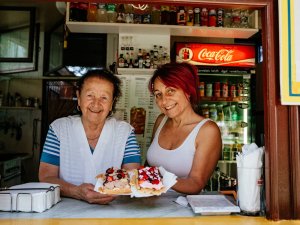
29	197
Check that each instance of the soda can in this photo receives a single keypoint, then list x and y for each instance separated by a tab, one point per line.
220	17
217	89
224	90
209	90
204	17
233	90
201	89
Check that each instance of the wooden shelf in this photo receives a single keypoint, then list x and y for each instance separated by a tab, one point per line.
154	29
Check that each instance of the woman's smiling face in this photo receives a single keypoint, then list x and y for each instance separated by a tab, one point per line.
95	99
171	101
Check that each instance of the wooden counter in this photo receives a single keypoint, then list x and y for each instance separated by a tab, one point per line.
202	220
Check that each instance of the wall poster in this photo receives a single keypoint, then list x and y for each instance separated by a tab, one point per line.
289	47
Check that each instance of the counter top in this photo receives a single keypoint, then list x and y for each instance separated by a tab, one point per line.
122	207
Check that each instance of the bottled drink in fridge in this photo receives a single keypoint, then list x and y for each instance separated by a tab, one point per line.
205	110
220	117
213	112
234	116
220	113
228	117
234	113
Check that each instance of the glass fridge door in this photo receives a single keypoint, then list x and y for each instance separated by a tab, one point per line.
226	99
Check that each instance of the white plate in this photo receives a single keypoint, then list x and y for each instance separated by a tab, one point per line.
212	204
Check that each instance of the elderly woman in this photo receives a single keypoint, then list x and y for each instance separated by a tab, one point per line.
183	142
77	148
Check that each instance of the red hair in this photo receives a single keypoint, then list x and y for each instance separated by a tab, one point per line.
183	76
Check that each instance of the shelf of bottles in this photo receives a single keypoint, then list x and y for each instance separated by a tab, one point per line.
177	20
145	57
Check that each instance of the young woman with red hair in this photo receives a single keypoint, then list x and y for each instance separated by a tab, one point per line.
183	142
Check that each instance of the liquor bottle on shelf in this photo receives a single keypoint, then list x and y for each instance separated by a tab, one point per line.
102	13
190	17
173	15
92	12
228	18
155	15
121	14
196	16
236	18
245	18
121	61
111	13
181	16
128	13
165	15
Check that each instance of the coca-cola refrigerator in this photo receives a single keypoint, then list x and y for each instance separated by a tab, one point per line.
226	90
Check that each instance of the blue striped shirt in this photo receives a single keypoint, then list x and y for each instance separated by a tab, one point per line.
51	149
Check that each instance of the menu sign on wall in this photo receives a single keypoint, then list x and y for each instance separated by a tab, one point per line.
137	107
216	54
289	47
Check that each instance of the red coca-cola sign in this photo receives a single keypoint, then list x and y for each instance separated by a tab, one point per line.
216	54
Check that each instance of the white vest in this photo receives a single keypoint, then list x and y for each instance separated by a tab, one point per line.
77	164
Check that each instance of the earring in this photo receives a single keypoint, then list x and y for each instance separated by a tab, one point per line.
78	108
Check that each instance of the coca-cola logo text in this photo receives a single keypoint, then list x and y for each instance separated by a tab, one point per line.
221	55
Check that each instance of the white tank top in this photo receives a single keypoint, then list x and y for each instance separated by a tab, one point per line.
178	161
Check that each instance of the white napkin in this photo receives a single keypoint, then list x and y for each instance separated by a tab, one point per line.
249	163
250	157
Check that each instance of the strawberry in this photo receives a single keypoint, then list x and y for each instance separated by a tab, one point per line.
110	170
155	181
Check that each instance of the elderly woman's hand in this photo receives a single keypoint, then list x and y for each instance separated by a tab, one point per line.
86	192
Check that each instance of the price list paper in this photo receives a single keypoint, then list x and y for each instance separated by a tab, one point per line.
137	107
